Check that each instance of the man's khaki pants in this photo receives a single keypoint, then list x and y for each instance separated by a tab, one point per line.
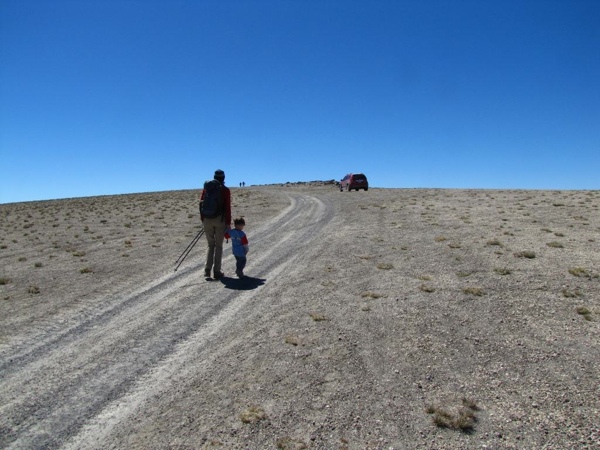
214	230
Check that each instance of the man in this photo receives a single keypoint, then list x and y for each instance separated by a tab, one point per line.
215	213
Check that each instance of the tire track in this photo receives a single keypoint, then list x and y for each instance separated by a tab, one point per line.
50	390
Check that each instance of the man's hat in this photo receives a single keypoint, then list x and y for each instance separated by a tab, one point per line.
219	174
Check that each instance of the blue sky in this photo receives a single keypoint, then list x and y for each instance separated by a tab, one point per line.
121	96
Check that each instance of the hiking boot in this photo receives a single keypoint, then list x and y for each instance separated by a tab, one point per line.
239	273
207	273
219	275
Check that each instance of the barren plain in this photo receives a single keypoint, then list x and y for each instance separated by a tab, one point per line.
386	319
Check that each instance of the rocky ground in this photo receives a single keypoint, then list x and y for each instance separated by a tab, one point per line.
386	319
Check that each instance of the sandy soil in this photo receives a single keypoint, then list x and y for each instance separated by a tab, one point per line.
387	319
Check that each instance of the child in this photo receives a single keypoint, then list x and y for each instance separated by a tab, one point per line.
239	245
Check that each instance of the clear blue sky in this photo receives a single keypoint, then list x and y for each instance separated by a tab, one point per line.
122	96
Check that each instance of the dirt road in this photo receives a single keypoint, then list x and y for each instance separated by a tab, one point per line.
55	380
366	321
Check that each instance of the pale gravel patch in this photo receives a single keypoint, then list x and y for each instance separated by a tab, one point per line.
204	353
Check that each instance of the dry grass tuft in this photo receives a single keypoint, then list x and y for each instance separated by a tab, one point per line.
385	266
571	294
368	294
579	272
525	254
287	443
462	418
33	290
426	288
477	291
253	414
292	340
317	317
585	312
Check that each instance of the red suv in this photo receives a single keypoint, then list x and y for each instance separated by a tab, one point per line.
354	181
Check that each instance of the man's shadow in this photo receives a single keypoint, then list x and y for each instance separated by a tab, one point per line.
242	284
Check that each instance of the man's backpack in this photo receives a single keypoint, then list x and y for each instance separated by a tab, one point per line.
211	205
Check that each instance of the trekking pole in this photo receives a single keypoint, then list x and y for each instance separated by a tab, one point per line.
189	248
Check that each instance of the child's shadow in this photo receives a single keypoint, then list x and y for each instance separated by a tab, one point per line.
242	284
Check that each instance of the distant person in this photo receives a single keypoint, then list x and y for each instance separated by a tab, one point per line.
239	245
215	213
243	184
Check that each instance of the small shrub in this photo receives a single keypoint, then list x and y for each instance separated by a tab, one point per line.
38	265
525	254
464	274
571	294
579	272
317	317
4	281
554	244
586	313
79	254
385	266
287	443
477	291
369	294
292	340
441	239
493	242
33	290
426	288
462	418
502	271
86	270
253	414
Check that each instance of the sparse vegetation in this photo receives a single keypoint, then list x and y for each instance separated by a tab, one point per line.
494	242
555	244
585	312
579	272
369	294
502	271
317	317
385	266
525	254
477	291
253	414
571	294
462	418
292	340
426	288
4	281
33	290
